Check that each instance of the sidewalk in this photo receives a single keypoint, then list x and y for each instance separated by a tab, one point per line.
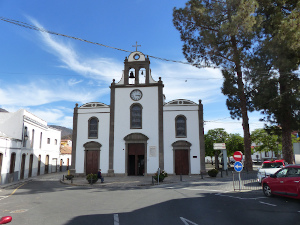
121	182
144	181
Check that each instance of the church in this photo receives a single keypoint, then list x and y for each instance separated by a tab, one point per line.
139	131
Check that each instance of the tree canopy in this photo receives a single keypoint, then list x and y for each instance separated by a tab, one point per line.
221	33
271	70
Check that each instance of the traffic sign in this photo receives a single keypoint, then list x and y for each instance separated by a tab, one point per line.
238	166
219	146
238	156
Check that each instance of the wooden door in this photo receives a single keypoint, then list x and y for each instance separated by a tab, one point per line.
92	162
181	162
30	165
22	167
136	154
47	164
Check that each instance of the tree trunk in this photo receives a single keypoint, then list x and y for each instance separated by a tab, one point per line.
243	105
285	120
247	140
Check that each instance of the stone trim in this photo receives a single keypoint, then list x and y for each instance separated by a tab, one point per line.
74	140
112	129
201	138
135	138
161	124
92	145
182	145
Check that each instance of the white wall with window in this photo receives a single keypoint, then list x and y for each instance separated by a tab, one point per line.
99	113
181	124
21	156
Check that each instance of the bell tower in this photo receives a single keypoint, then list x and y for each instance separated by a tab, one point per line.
135	66
136	119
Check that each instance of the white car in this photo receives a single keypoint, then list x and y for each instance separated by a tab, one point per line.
269	167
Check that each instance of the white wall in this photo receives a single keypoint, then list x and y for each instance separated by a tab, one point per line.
149	104
192	124
8	145
84	114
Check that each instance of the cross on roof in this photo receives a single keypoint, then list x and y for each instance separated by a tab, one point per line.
136	45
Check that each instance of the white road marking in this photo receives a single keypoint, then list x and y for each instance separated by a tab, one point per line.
187	222
230	196
3	197
208	190
116	219
267	204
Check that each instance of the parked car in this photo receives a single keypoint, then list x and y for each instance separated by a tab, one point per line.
285	182
269	167
5	219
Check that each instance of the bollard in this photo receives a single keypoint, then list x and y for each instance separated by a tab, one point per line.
72	180
180	177
201	175
63	177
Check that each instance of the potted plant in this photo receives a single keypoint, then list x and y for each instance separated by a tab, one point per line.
161	176
213	172
92	178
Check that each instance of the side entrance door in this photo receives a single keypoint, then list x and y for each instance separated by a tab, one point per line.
92	162
181	162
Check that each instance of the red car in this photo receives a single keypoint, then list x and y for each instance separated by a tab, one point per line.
285	182
5	219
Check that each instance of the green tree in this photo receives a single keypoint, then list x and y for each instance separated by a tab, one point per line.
275	84
265	141
220	32
218	135
234	143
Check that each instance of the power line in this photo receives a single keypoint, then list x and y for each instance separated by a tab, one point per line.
29	26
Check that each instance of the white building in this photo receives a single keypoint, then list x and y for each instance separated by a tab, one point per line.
138	132
65	155
28	147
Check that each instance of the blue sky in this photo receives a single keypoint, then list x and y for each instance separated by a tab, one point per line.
48	74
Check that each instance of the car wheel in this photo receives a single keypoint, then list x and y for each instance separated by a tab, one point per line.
267	190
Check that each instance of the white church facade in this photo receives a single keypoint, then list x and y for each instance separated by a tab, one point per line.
138	132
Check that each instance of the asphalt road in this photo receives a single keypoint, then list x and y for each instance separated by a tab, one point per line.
48	202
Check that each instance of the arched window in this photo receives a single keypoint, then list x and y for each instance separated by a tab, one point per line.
136	116
180	126
93	127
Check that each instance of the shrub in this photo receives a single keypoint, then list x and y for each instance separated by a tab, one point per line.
213	172
92	177
161	176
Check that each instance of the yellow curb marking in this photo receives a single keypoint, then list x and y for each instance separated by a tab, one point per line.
16	189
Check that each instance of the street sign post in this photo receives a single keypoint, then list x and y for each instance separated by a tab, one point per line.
238	156
222	147
238	166
219	146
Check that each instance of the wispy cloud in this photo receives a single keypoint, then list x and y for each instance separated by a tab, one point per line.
96	68
185	81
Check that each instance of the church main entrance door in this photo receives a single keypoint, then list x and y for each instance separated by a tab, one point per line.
136	159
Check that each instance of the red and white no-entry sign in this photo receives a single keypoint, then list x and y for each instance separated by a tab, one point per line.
238	156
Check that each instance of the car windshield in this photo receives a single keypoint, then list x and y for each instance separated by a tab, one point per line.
272	165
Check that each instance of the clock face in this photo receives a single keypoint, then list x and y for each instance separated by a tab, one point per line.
136	95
